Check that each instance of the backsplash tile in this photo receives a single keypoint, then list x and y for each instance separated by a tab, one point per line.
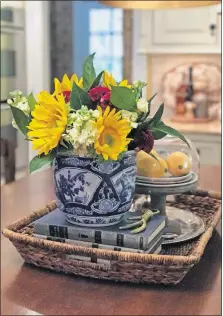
161	64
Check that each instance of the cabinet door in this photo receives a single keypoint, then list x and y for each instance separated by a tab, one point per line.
210	154
185	26
208	147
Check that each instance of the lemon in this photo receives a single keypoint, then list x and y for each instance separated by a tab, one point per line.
147	166
153	152
178	163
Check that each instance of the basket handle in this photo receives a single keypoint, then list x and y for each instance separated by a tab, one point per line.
92	262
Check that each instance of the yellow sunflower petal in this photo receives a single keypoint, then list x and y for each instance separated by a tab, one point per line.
57	86
66	84
106	112
108	80
112	138
124	83
48	122
80	83
74	78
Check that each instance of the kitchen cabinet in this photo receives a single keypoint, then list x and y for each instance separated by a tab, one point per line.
208	147
205	137
191	30
13	66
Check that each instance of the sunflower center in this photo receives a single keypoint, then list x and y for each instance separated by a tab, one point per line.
108	137
109	140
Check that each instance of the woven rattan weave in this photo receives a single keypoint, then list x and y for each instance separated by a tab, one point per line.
168	267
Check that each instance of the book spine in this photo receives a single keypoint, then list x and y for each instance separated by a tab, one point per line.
41	229
154	234
157	244
92	235
88	244
92	258
158	250
98	236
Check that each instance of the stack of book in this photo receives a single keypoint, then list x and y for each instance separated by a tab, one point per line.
54	226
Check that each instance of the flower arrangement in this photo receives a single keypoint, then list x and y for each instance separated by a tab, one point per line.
92	116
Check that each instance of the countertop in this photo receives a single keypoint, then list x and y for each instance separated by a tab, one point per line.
212	127
26	290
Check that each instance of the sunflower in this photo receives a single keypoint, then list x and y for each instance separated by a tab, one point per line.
112	134
109	80
65	86
48	123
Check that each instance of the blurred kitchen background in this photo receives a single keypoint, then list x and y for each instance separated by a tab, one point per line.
176	51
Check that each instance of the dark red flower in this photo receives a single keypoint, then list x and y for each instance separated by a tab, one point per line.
67	95
101	94
143	140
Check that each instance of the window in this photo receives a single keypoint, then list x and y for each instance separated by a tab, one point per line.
106	39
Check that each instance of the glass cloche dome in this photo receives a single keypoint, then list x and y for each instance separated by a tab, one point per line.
170	161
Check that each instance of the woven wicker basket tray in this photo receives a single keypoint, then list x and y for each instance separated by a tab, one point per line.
169	267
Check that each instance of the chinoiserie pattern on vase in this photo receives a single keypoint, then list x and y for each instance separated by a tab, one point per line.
94	193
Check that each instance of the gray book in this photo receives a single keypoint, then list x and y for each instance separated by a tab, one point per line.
155	249
54	224
157	243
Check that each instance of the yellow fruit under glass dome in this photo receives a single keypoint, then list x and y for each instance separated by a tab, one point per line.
180	158
147	166
178	163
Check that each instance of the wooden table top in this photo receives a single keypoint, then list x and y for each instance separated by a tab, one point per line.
27	290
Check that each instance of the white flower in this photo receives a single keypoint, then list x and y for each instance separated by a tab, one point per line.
16	93
23	106
142	105
82	115
130	117
79	121
82	132
19	101
136	84
95	114
134	125
81	151
74	133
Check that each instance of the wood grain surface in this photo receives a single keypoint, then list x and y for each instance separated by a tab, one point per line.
26	290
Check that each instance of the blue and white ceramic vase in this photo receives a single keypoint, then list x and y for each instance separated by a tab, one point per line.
94	193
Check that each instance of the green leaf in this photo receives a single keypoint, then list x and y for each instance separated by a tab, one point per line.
79	97
161	127
21	119
153	156
89	74
64	146
39	161
145	125
149	103
150	100
158	135
157	117
123	98
97	80
31	101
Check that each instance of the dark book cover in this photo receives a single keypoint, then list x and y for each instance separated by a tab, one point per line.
54	224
